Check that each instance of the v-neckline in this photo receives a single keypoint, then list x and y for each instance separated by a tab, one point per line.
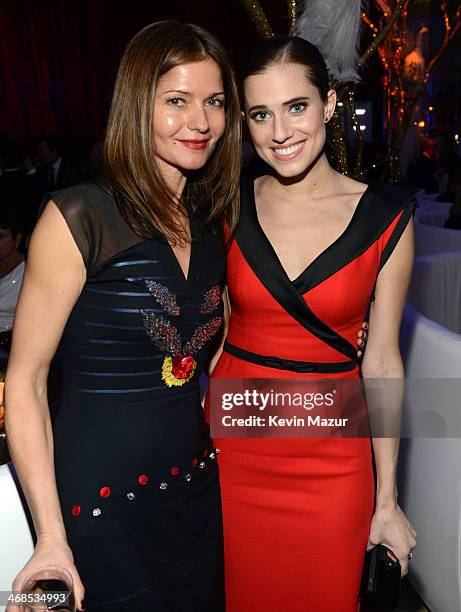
186	280
296	282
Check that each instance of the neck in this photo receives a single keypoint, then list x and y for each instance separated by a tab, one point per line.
9	263
312	181
175	178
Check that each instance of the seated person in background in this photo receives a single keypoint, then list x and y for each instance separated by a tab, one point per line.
60	164
11	273
454	216
423	172
18	189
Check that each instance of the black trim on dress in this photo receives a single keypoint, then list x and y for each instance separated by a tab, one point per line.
377	208
289	364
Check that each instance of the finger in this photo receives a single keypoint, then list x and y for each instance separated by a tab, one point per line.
359	353
364	325
365	335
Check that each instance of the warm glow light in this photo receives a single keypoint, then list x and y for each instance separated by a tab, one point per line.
422	123
361	111
431	108
457	137
340	104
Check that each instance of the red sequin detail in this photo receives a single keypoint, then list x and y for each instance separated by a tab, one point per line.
174	471
76	510
195	461
183	366
104	492
143	479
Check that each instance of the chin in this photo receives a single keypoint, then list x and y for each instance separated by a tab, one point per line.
294	168
192	163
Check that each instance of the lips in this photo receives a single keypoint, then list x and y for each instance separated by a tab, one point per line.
288	152
197	145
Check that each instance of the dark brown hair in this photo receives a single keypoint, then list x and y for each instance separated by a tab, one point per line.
290	50
143	197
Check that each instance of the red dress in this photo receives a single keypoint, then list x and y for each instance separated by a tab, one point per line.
297	512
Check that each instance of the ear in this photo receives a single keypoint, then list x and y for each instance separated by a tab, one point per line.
243	115
330	105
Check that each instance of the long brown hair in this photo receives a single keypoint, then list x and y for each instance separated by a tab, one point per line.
144	199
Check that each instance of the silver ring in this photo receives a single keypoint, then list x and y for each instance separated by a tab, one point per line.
410	556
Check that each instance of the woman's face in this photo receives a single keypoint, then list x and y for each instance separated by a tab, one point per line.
8	243
189	116
286	117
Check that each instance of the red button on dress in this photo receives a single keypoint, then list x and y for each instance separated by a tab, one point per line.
195	462
76	510
143	479
104	492
174	471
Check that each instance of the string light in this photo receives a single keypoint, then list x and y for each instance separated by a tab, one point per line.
259	18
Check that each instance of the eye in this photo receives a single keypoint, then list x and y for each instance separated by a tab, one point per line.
259	116
298	107
216	102
176	101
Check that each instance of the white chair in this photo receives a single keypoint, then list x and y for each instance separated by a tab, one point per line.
433	215
435	289
430	239
429	467
16	544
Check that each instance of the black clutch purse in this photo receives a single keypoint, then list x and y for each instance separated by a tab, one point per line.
380	583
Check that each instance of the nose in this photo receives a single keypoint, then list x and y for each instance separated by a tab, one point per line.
198	119
282	131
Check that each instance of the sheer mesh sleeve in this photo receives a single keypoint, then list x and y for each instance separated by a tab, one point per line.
93	219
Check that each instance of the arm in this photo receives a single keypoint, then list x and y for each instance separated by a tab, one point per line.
227	311
383	361
54	277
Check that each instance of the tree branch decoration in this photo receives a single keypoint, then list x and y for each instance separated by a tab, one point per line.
405	74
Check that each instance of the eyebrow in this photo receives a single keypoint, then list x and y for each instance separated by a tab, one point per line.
287	103
188	93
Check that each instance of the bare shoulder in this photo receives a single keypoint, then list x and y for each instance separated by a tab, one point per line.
349	187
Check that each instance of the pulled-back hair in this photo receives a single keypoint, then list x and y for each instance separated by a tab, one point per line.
143	197
288	50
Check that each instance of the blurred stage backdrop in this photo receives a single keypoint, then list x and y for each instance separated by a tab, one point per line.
58	60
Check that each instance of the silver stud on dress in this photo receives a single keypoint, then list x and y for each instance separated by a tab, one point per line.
212	455
130	495
188	477
163	486
202	464
217	450
96	511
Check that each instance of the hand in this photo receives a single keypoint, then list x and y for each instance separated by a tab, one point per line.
391	528
362	339
50	551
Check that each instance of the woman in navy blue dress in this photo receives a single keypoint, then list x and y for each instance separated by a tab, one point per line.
127	275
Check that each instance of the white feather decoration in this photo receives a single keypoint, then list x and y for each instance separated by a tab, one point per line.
334	27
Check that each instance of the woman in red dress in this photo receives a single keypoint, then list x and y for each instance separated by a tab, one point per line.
312	249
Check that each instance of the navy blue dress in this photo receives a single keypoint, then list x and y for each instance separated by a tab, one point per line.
136	471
